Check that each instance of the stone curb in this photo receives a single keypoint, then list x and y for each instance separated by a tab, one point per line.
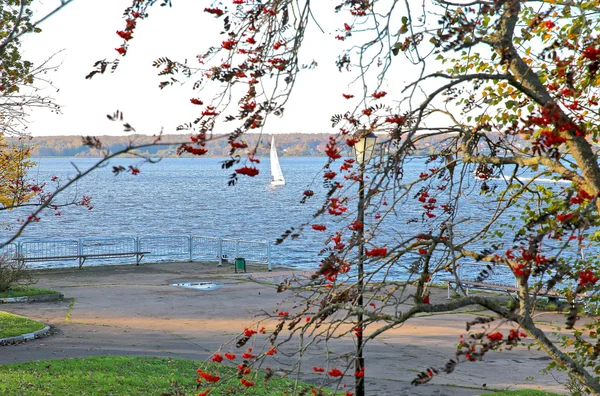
24	337
39	297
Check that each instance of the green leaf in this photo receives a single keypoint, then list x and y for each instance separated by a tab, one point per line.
566	11
595	236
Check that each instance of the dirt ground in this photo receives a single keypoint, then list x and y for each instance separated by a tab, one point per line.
135	310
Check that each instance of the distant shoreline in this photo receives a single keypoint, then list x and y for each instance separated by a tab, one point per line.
288	145
262	157
295	145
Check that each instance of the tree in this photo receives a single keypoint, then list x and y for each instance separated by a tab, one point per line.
506	95
18	77
15	188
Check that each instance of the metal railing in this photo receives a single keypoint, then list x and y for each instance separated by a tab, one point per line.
207	248
180	247
9	251
39	249
499	277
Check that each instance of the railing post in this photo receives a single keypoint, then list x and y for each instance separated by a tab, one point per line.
220	251
20	258
80	252
190	247
237	248
138	250
269	255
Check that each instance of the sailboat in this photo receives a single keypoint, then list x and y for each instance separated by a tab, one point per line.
277	178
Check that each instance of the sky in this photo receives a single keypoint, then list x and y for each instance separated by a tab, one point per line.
85	31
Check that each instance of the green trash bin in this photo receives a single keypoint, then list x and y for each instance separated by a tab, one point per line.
240	264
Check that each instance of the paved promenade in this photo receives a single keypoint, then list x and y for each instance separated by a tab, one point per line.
129	310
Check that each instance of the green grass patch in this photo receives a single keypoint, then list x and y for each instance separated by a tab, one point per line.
14	325
21	291
522	392
119	375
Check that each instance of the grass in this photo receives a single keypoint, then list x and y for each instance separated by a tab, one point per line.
545	305
14	325
117	375
522	392
20	291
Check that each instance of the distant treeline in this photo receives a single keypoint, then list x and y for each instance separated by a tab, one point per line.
293	144
290	145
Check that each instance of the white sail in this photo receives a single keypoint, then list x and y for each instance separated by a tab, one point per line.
276	174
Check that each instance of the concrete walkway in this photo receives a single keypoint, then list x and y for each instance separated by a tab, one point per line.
134	310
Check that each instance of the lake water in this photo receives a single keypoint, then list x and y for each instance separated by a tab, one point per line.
190	196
